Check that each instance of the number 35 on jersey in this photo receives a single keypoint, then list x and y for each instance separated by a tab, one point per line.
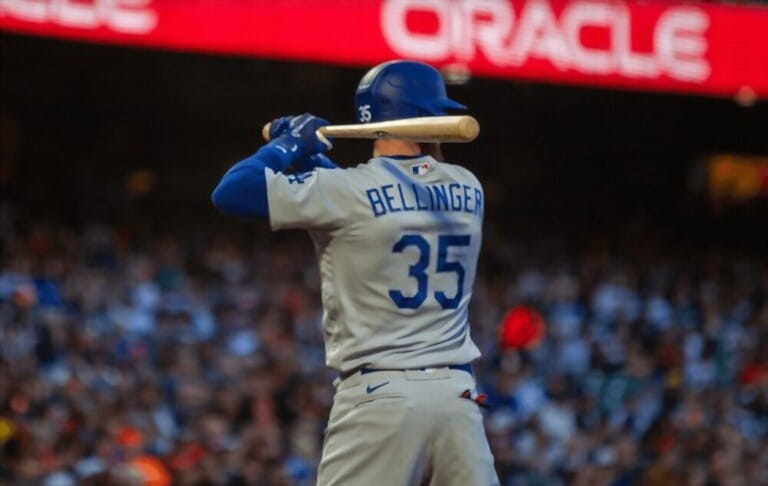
423	272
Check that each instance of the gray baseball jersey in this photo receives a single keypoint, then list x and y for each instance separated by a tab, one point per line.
397	241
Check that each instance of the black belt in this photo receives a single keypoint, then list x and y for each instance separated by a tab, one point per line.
462	367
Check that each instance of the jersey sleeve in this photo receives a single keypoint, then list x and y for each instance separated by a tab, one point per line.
318	199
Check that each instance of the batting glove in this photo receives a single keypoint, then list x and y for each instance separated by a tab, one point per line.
279	126
301	137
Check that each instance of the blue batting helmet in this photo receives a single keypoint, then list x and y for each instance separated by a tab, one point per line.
402	89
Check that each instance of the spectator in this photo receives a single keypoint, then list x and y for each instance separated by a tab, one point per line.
160	361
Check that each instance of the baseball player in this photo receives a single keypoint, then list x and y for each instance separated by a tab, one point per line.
397	239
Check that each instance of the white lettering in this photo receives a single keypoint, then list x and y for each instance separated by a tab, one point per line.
576	17
126	16
33	10
488	23
427	46
680	43
75	14
631	64
468	27
538	36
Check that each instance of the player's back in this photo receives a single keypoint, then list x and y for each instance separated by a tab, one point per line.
397	275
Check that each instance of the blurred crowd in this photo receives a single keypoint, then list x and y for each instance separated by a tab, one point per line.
128	358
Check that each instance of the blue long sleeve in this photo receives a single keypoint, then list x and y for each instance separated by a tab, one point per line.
242	192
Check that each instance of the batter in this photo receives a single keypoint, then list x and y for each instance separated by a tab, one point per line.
397	240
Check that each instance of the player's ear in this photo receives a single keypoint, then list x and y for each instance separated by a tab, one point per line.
432	149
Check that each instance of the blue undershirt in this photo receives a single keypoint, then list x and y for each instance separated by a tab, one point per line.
242	192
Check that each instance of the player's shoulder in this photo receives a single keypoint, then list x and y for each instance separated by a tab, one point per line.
338	172
460	172
361	171
341	179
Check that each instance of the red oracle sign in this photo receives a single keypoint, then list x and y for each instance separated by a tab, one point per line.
507	38
668	46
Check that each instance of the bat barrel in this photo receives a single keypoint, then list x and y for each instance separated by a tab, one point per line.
456	129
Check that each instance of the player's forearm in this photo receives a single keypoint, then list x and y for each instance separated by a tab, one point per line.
242	192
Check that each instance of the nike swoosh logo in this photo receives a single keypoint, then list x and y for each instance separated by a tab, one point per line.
371	389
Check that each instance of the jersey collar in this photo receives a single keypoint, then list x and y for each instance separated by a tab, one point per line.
403	157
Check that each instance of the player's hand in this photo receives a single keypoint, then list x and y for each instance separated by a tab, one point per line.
301	137
279	126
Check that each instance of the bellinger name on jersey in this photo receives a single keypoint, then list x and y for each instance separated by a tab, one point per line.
393	198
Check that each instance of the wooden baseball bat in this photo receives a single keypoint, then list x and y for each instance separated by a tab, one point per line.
425	129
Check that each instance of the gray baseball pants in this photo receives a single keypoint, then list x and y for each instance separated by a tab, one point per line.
406	428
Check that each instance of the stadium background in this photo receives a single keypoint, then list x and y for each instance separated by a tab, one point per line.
145	335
